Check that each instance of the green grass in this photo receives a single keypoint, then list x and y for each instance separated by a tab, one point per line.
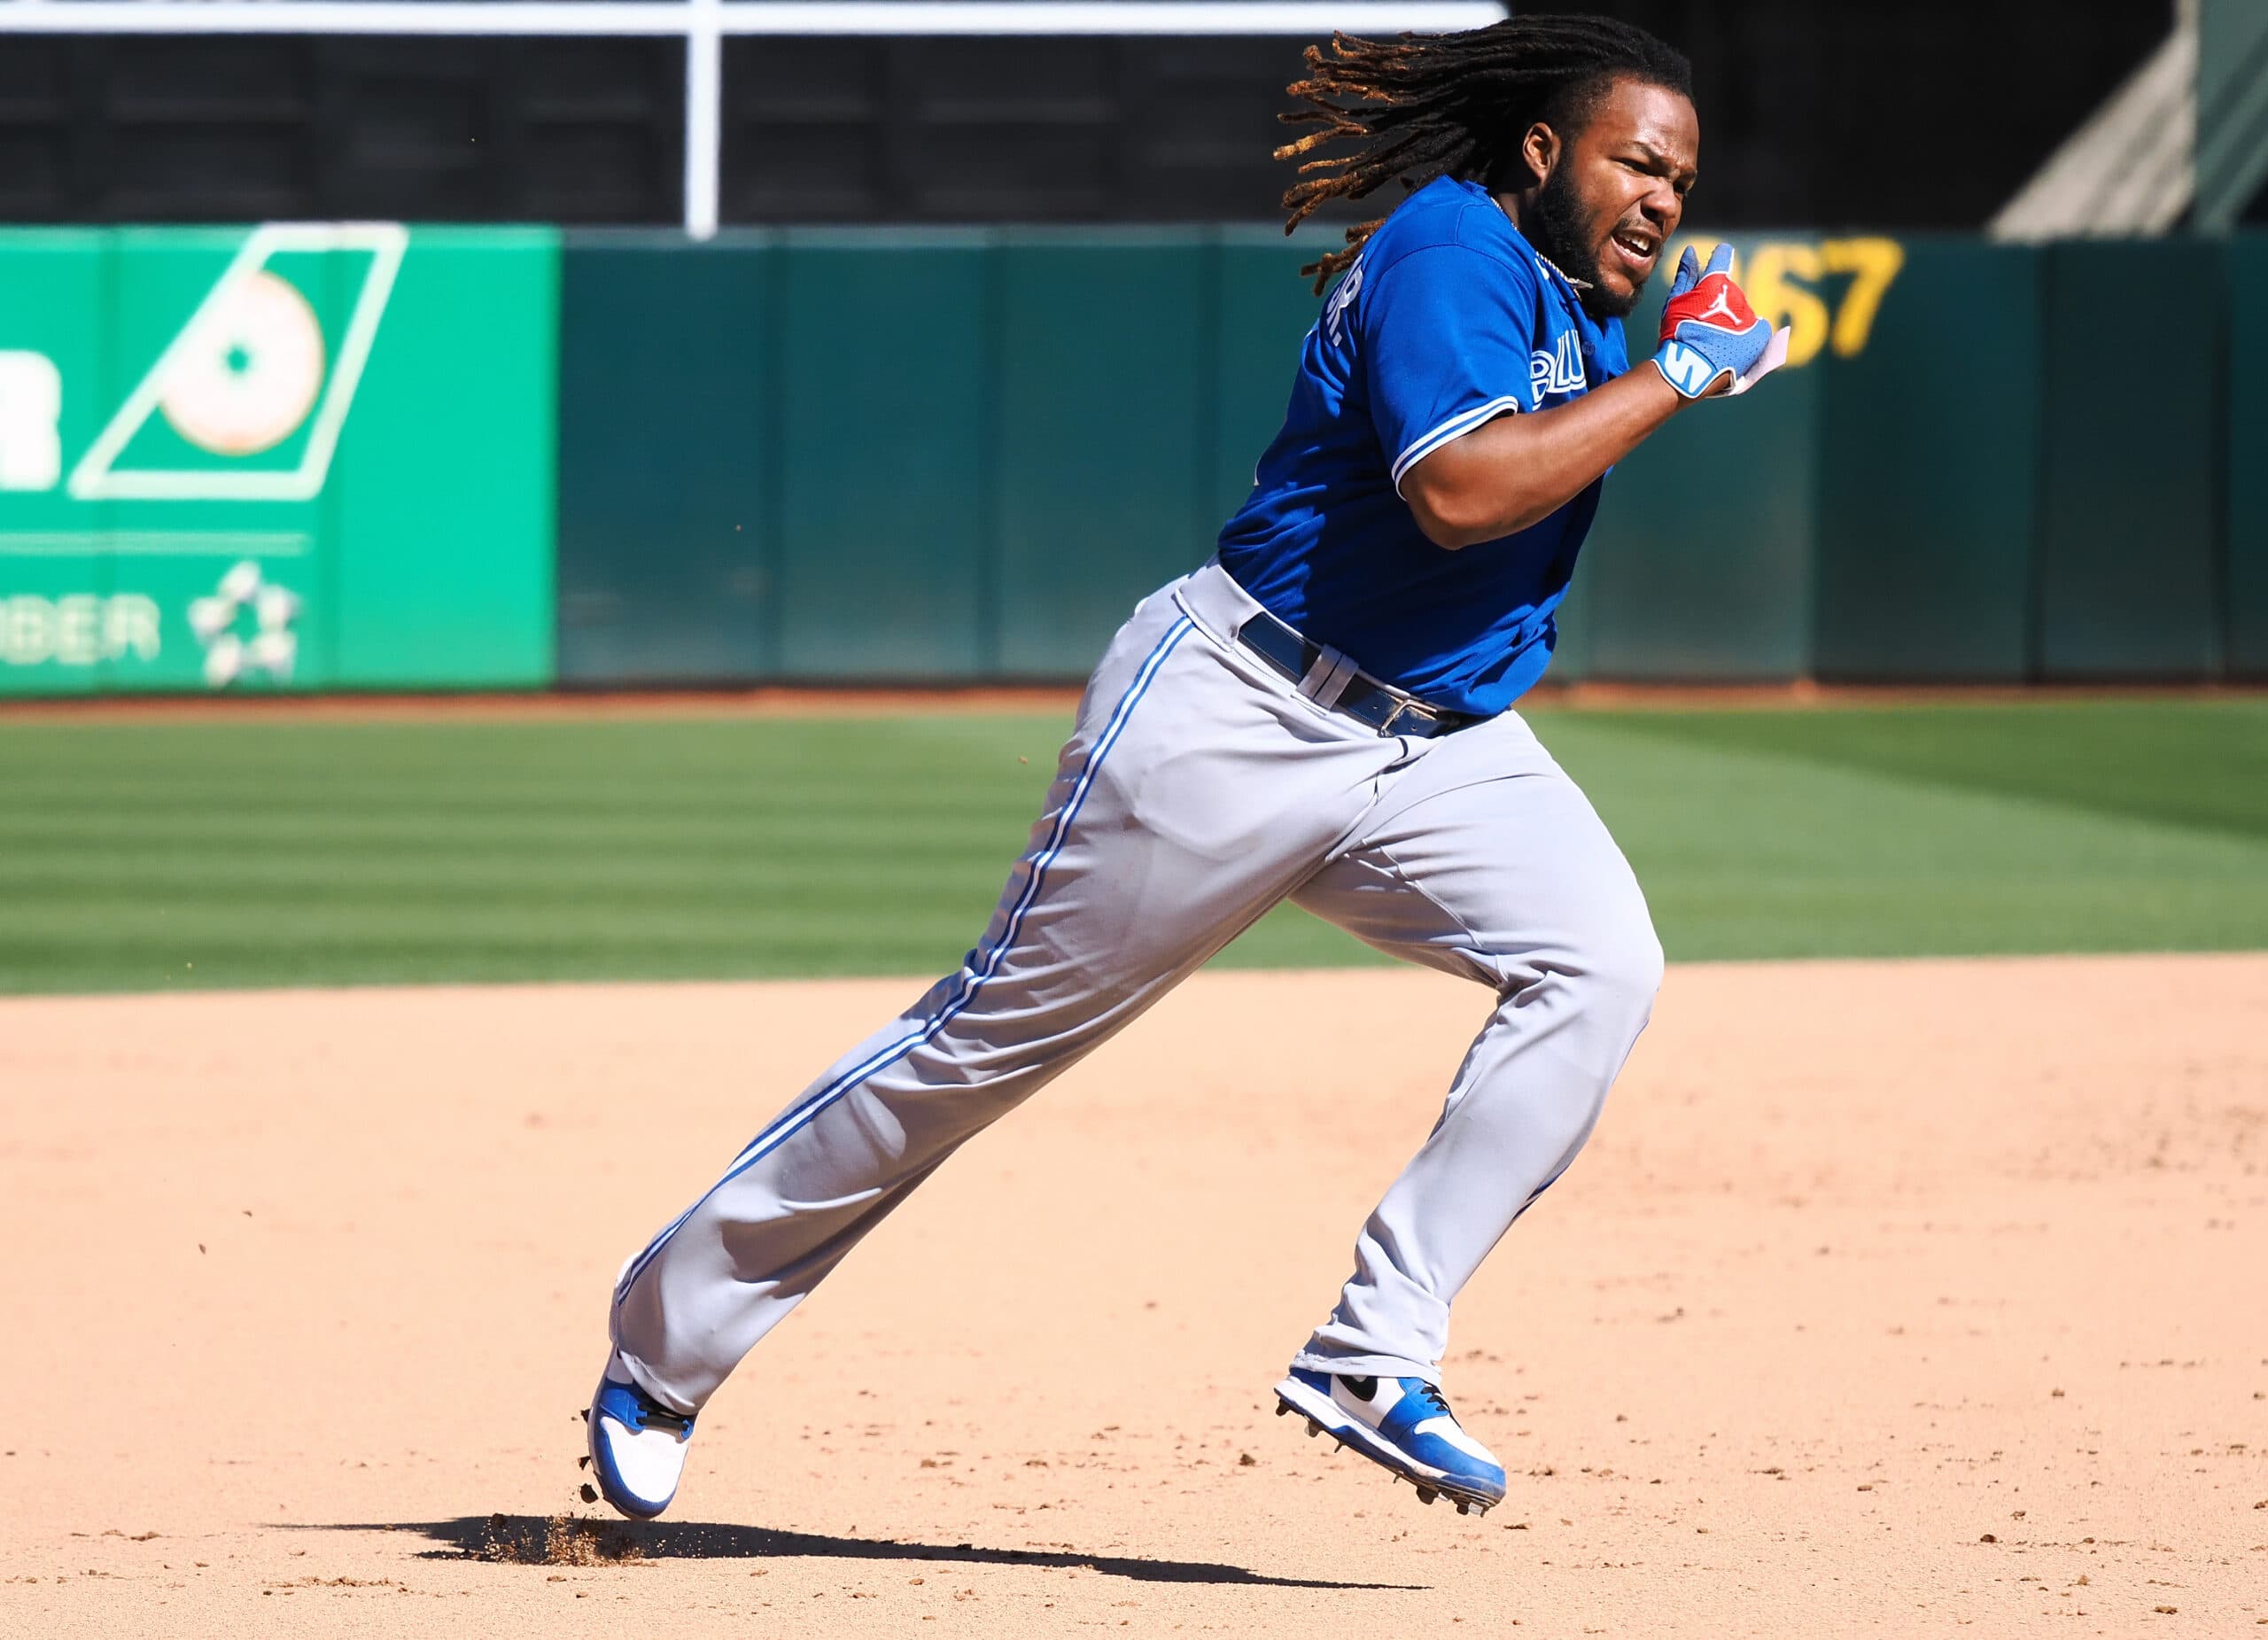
152	856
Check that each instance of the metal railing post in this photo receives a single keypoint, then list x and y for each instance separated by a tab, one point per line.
705	135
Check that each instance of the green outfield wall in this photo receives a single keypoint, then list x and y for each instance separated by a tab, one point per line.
882	455
365	456
930	455
1929	501
2243	451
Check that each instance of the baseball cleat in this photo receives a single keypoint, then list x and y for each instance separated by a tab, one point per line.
1403	1426
637	1446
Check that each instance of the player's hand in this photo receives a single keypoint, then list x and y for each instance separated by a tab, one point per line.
1712	343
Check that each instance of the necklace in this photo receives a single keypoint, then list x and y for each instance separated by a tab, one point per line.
1572	282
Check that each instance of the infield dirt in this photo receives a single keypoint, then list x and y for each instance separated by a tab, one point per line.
1889	1297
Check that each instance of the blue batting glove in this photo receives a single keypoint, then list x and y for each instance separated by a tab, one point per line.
1712	341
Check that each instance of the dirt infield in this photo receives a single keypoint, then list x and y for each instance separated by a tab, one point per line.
1890	1298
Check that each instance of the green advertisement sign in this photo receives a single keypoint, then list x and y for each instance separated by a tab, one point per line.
295	456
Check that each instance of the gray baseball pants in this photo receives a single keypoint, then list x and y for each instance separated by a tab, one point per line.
1198	788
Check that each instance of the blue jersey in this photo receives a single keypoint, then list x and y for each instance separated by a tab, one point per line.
1448	318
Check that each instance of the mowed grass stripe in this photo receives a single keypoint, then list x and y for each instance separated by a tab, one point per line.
2202	764
546	887
155	856
1761	853
550	836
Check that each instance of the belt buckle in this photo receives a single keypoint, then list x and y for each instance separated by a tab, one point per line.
1409	705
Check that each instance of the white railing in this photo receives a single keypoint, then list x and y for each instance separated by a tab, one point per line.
704	24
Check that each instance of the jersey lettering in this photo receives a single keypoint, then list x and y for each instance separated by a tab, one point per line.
1334	311
1558	371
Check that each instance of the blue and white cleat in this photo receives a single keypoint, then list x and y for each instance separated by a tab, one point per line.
1402	1425
637	1446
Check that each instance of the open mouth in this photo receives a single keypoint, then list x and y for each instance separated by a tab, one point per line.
1637	249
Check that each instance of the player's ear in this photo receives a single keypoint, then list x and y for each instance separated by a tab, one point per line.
1540	149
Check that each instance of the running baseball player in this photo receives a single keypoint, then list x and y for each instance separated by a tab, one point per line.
1321	712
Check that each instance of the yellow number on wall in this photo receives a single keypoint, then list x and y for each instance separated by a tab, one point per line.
1873	264
1776	297
1783	279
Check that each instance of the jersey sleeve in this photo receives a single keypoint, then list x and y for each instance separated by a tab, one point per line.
1447	335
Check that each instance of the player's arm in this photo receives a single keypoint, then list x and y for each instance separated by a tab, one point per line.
1519	469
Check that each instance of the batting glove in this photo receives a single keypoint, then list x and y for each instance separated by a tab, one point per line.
1711	337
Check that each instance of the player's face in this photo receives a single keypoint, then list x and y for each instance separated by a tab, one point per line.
1617	190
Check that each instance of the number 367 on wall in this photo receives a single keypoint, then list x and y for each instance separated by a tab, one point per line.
1826	291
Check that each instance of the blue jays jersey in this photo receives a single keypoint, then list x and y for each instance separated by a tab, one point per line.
1447	320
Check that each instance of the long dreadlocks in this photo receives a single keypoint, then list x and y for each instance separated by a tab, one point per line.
1451	105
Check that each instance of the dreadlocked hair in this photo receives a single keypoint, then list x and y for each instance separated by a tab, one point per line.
1424	106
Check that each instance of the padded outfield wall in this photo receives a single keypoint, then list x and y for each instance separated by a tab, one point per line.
370	457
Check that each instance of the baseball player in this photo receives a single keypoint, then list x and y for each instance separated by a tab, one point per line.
1321	712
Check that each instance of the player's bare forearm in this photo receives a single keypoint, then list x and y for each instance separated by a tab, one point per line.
1519	469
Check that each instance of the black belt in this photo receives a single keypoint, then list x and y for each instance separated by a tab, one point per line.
1380	705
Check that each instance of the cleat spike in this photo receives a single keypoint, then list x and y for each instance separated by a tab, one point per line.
1313	1429
1282	1408
1464	1507
1426	1494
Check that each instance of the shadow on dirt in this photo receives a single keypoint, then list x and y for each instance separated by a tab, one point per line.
536	1539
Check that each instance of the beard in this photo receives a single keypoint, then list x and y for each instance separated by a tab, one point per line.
1561	232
